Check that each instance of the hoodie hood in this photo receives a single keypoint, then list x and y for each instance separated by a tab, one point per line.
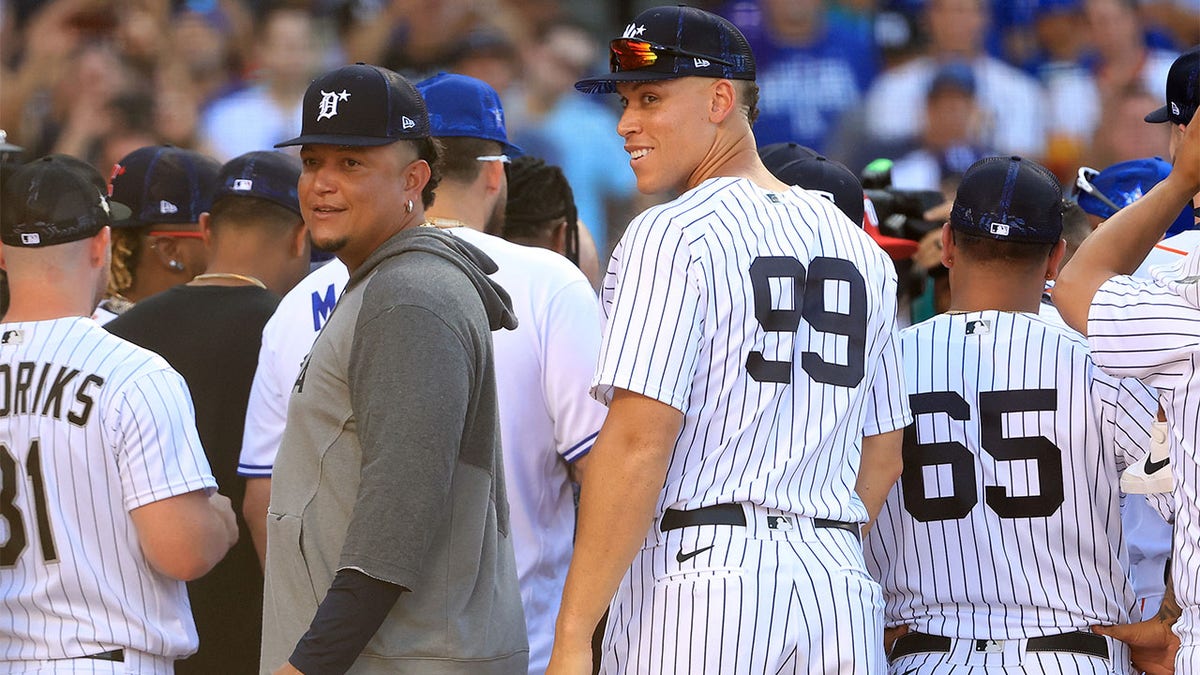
474	263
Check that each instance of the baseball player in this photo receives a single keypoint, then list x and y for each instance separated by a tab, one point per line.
749	348
106	498
1147	329
1010	489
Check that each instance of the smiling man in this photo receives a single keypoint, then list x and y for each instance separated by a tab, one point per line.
755	397
388	535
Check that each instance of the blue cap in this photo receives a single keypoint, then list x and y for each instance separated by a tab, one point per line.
163	184
272	176
953	75
462	106
1122	184
1009	199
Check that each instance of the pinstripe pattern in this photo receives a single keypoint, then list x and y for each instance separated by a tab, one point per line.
1148	330
1021	559
120	436
777	387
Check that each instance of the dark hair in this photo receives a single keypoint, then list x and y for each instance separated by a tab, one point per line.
237	211
430	150
987	249
747	93
458	157
539	198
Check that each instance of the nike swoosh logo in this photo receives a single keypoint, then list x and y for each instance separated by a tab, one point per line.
1154	467
682	557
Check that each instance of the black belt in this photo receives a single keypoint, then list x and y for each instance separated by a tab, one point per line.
117	655
1087	644
732	514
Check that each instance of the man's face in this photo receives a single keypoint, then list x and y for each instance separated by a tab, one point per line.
353	198
667	130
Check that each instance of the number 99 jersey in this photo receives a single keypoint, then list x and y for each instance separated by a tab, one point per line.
1005	523
768	319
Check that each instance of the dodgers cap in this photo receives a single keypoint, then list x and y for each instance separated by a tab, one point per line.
361	105
462	106
1010	199
264	174
164	184
55	200
1104	193
665	43
1183	90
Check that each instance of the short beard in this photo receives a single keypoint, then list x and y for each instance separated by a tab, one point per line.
332	246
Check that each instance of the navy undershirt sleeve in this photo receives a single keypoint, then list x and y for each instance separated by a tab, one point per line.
347	619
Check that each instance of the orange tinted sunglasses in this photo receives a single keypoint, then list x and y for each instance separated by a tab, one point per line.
180	234
630	54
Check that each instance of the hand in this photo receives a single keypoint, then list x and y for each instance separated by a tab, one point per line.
572	660
890	635
1187	157
929	251
287	669
224	508
1152	645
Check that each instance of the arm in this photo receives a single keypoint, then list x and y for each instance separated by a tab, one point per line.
185	536
878	471
254	510
1123	242
626	472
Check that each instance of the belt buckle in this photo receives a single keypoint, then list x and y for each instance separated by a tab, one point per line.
989	646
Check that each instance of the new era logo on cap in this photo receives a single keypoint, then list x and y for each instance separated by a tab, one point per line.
166	207
407	123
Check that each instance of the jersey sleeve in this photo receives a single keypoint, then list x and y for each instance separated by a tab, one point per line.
1134	407
266	409
655	311
156	443
1142	329
887	402
571	344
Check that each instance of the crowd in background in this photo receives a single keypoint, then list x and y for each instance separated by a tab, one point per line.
931	84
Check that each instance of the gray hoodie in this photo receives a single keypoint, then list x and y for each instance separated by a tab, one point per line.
390	465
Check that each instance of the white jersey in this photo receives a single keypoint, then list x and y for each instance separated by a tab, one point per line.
768	319
1148	329
1009	494
1168	252
286	339
91	428
547	419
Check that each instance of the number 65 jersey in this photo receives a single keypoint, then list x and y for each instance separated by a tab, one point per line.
768	319
1005	523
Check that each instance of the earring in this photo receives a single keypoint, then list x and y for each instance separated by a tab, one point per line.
408	207
175	265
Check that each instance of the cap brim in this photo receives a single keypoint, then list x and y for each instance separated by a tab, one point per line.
337	139
607	84
1163	114
118	212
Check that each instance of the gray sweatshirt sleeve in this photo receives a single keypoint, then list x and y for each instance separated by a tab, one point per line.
410	379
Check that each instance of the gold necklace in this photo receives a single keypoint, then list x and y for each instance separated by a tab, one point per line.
230	275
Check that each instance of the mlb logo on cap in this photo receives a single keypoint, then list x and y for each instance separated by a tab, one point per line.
242	184
31	238
1000	229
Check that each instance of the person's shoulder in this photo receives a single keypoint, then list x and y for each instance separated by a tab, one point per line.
1000	72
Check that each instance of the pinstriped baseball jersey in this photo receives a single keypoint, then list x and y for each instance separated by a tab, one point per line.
1009	494
91	427
1148	329
768	319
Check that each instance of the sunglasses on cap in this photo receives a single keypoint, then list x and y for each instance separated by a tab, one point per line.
178	234
1083	183
630	54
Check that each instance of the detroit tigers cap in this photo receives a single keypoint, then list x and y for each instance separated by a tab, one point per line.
1183	90
665	43
1010	199
361	105
462	106
1103	193
796	164
54	200
163	184
264	174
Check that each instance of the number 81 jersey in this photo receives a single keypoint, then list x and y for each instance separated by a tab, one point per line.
1005	523
768	319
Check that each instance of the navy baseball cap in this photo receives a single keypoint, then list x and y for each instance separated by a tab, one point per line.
361	105
954	76
1183	90
54	200
163	184
462	106
664	43
264	174
796	164
1010	199
1103	193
